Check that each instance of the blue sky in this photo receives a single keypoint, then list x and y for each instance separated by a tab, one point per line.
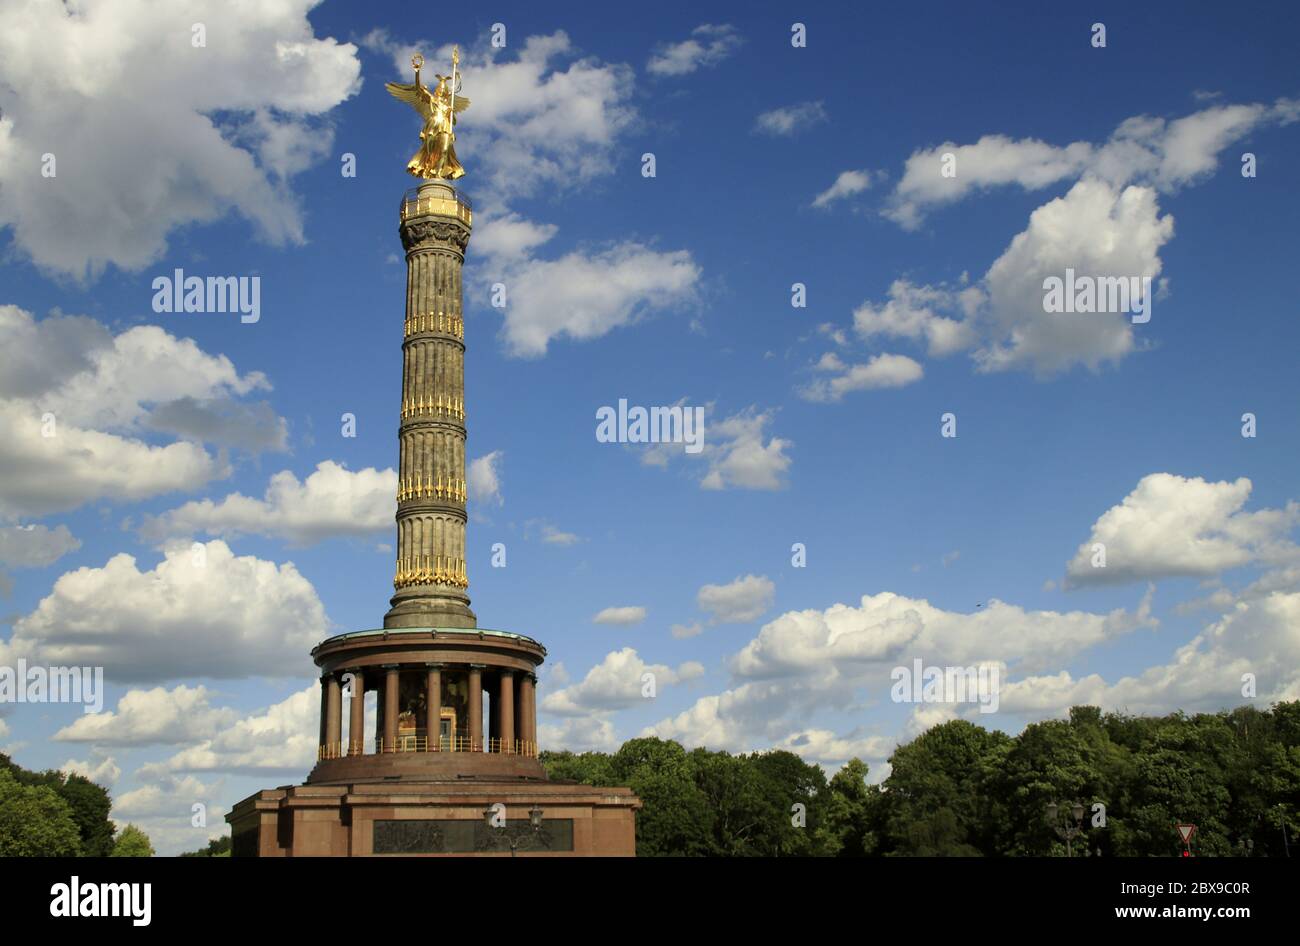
775	165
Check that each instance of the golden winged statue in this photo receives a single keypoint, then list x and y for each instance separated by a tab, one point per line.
438	107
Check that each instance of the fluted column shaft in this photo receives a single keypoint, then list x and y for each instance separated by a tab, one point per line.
357	720
432	574
334	705
392	680
433	707
505	711
475	707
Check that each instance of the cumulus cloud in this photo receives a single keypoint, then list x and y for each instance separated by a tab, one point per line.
707	46
886	629
737	451
582	294
548	533
1258	637
846	185
738	602
484	479
1174	526
1107	225
153	131
200	612
1097	230
103	771
333	501
34	546
279	740
591	733
841	378
77	433
1146	150
616	683
151	717
915	312
624	616
791	119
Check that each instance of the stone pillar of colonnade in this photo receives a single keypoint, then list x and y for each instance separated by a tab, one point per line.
357	722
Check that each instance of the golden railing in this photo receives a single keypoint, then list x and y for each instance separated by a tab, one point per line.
521	747
413	206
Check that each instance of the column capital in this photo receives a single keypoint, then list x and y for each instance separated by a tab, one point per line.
434	666
390	667
478	666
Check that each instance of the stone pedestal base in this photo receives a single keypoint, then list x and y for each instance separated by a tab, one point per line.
435	818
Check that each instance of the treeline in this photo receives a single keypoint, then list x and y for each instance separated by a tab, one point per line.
50	814
961	790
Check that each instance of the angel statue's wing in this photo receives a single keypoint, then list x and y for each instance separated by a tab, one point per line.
411	94
462	103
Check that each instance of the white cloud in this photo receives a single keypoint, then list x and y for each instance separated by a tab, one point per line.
198	613
708	45
624	616
590	733
169	799
1096	230
129	119
1260	637
151	717
34	546
846	185
739	601
583	294
616	683
845	642
880	371
76	466
912	312
280	739
333	501
789	120
1172	526
485	480
826	748
1145	150
103	771
74	434
683	631
548	533
739	456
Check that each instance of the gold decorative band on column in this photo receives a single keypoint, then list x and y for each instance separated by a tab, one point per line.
426	487
450	406
442	322
431	570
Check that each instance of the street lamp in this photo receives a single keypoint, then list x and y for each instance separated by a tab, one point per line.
514	835
1060	823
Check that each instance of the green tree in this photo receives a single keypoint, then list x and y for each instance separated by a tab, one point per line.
941	781
676	819
132	842
35	821
850	812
